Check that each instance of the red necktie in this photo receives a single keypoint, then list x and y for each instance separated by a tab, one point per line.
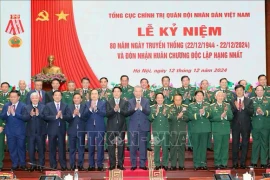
240	105
40	97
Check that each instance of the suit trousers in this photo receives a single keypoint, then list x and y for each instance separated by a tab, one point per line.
54	140
33	142
113	138
76	142
16	146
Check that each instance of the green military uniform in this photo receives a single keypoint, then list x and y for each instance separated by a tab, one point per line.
3	100
178	134
23	96
127	94
185	92
200	128
84	94
168	99
209	97
260	130
266	92
105	95
229	95
221	132
67	97
160	130
146	94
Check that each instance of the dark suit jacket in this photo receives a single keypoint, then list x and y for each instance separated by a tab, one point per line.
43	94
49	96
242	118
35	124
15	125
50	113
117	121
97	116
76	121
139	116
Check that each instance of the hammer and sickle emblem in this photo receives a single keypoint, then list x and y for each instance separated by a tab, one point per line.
43	16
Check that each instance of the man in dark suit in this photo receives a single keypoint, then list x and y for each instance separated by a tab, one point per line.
139	126
12	114
56	113
36	131
242	108
76	132
55	86
95	111
117	111
38	89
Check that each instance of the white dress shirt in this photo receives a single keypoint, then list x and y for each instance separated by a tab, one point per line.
96	106
77	106
242	101
14	110
55	103
138	100
117	101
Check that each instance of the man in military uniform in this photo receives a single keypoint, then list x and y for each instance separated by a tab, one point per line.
209	98
198	114
105	94
68	95
127	94
150	96
85	91
4	98
228	95
220	116
263	82
167	90
23	91
261	126
160	127
178	119
187	93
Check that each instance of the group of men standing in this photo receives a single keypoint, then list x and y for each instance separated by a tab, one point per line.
88	116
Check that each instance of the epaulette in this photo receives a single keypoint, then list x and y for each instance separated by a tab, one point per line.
227	103
152	105
191	103
2	104
170	105
64	91
252	97
167	105
212	104
185	105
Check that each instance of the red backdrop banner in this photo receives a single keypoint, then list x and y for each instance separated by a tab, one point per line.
54	33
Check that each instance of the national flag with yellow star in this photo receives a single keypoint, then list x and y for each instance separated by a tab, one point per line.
53	32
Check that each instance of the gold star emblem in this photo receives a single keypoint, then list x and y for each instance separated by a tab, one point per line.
62	15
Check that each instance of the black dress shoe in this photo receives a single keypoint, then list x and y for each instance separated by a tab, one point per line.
72	168
243	166
235	166
190	149
204	168
144	168
210	149
41	169
106	150
24	168
254	165
14	168
165	168
100	169
112	168
173	168
32	168
223	167
91	168
181	168
149	149
128	149
263	166
1	169
121	167
133	168
217	167
157	167
63	168
86	150
196	168
80	168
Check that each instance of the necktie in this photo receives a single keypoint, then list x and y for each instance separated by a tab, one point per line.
14	107
117	101
240	105
84	91
58	109
77	107
40	97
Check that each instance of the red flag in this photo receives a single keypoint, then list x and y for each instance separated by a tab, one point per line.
54	33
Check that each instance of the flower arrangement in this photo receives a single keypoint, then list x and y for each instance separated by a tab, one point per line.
49	77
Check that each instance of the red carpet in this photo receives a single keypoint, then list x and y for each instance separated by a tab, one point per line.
138	174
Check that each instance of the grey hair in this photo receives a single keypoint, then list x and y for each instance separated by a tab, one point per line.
138	87
34	94
218	92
